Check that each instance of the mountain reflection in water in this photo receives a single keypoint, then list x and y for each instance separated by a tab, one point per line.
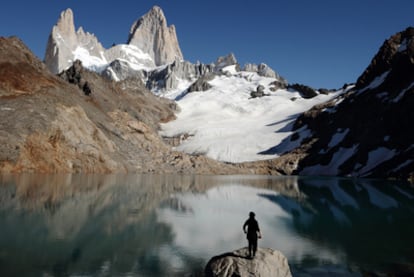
170	225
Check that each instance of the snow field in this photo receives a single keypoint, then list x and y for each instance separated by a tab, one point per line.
227	125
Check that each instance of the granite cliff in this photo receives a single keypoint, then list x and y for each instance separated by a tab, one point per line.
152	35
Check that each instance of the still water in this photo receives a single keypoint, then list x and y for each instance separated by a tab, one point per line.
170	225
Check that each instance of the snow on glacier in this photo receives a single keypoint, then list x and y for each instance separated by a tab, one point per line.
226	124
89	61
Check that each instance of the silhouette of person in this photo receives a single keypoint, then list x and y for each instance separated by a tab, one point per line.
253	233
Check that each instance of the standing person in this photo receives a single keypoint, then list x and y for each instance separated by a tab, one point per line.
253	233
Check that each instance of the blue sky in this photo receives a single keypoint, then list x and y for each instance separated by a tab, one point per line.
321	43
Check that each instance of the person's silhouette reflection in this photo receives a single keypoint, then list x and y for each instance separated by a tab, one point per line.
253	233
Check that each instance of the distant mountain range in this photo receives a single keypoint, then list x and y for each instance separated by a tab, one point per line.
246	116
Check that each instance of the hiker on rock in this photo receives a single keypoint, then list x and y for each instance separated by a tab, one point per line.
253	233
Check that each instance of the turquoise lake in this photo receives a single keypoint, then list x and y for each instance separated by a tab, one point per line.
171	225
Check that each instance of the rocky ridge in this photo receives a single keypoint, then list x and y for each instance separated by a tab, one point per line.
151	53
364	132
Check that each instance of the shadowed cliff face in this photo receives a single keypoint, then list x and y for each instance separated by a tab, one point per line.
367	131
82	122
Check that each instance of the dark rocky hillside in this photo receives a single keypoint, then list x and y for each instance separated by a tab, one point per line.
369	130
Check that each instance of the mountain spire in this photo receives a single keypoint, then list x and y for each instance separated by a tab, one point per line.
152	35
64	41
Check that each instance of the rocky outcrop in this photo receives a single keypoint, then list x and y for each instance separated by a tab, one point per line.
119	70
202	83
65	43
267	262
74	75
364	132
152	35
169	76
225	61
305	91
259	92
261	69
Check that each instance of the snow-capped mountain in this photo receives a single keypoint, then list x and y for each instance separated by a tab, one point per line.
241	114
368	130
65	45
144	50
235	128
152	53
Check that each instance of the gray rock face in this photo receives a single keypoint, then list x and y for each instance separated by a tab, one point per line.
152	35
119	70
261	69
224	61
267	262
131	54
202	83
168	77
259	92
64	41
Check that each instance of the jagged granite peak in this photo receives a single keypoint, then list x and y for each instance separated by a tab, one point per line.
65	44
152	35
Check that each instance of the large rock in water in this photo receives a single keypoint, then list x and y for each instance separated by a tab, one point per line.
267	262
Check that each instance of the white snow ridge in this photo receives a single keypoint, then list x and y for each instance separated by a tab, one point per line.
226	124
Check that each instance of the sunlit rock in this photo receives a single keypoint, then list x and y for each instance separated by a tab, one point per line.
267	262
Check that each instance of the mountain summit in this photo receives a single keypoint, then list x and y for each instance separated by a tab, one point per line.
152	35
151	43
65	44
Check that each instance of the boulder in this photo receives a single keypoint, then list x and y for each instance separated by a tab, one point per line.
305	91
202	83
259	92
267	262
